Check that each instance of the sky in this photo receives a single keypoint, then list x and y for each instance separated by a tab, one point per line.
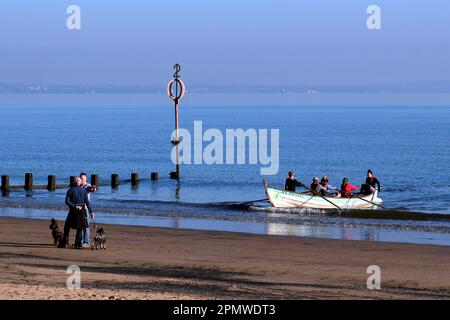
225	42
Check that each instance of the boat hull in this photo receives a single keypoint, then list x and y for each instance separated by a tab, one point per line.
287	199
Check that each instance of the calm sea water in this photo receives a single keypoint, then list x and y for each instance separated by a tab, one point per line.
408	149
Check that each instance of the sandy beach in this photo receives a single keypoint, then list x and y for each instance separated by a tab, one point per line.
162	263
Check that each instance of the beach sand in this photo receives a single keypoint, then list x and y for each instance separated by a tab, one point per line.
160	263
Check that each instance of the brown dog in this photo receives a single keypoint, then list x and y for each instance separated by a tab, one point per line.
99	241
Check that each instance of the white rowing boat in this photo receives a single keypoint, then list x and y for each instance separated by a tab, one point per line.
287	199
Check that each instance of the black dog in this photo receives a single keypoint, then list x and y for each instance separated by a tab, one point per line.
99	239
57	234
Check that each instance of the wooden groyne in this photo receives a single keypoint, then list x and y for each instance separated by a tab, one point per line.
51	185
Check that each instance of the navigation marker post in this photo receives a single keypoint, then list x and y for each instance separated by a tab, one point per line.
176	90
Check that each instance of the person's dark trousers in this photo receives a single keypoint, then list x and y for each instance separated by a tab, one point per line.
78	238
66	233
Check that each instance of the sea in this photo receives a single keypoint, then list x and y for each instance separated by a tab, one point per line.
406	145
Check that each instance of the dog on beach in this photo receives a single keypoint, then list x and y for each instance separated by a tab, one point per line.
99	241
57	234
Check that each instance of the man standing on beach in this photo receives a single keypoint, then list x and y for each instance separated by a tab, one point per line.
78	200
89	188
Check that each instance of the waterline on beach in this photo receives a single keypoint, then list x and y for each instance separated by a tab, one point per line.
268	228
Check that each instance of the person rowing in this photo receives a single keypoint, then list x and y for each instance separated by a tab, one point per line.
291	183
328	188
372	184
318	188
347	188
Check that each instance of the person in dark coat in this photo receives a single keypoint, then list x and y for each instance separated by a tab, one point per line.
291	183
372	184
78	200
89	188
373	181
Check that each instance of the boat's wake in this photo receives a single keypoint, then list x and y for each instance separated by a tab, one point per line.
302	211
228	210
385	214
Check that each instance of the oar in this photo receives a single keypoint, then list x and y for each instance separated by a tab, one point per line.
260	200
321	196
379	205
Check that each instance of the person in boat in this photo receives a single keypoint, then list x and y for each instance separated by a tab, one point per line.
372	184
327	188
347	188
291	183
318	188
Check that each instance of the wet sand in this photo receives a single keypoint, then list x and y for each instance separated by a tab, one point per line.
162	263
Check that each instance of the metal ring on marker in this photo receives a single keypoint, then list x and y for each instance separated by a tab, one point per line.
182	91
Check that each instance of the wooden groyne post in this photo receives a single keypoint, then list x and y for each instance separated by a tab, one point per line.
28	181
5	185
134	179
51	183
114	181
94	180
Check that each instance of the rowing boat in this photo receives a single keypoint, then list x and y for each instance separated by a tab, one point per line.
287	199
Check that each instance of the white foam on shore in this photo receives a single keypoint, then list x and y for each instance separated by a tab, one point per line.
331	232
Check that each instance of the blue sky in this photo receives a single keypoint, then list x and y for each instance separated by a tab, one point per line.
320	42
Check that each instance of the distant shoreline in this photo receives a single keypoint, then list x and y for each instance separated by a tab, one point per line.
248	99
441	87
